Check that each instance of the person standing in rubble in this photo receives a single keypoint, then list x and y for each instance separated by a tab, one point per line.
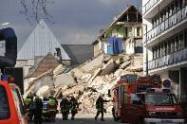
65	107
74	106
100	107
37	110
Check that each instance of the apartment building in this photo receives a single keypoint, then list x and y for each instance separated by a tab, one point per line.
165	42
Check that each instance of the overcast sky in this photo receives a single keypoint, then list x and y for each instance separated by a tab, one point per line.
75	21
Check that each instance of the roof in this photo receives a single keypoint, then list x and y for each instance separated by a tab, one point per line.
117	19
49	62
79	53
40	42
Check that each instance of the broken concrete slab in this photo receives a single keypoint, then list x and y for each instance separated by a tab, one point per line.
58	70
125	64
93	64
96	73
64	79
109	68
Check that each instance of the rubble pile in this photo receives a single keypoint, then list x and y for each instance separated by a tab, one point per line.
97	76
93	78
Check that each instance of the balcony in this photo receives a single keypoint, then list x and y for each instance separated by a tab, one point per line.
166	61
149	5
152	7
167	25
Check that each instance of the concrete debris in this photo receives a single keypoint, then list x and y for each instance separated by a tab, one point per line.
109	68
64	79
125	64
58	70
96	73
89	80
90	66
43	91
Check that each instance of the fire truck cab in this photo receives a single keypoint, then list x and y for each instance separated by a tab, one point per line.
11	105
162	107
143	101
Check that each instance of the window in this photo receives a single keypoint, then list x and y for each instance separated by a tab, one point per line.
167	13
2	48
165	48
4	105
181	42
176	44
154	53
138	31
129	31
19	102
160	99
126	32
172	46
184	2
158	52
135	99
185	39
168	47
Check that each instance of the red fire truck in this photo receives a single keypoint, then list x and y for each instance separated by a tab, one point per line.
142	100
11	102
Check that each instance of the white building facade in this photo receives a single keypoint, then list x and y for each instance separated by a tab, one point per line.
40	43
165	42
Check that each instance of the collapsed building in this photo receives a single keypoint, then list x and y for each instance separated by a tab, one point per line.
97	75
126	27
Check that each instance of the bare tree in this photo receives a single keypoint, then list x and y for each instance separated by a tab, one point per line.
34	10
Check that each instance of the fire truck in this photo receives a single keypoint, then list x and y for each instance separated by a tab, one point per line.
11	101
139	100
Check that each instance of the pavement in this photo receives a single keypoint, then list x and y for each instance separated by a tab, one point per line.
83	119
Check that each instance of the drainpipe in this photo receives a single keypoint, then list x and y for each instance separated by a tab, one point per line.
146	52
147	63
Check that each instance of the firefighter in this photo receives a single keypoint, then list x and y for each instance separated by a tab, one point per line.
65	107
100	107
53	103
28	103
74	106
38	105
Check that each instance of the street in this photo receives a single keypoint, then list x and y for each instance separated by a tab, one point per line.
83	119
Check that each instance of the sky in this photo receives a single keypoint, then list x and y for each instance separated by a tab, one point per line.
75	21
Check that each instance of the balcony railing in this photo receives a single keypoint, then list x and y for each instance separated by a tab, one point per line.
168	23
171	59
149	5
